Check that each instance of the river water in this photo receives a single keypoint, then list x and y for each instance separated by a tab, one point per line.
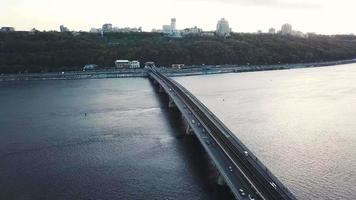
116	138
96	139
301	123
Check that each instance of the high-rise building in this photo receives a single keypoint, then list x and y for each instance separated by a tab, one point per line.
173	24
171	30
286	29
223	28
63	29
107	28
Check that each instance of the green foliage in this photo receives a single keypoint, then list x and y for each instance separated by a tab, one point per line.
53	51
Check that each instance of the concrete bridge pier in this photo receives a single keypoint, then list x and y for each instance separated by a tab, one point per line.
221	180
188	129
160	89
171	103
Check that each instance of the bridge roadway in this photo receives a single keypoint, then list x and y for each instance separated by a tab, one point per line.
236	164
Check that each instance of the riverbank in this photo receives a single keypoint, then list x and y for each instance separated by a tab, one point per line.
185	71
122	73
219	69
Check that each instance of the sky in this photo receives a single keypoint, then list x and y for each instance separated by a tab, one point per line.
319	16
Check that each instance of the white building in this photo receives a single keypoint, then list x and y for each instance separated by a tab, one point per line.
167	29
135	64
90	67
222	28
286	29
127	64
174	24
171	30
192	31
63	29
126	30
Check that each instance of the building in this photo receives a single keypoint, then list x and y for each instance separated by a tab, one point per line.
90	67
174	24
272	31
122	63
107	28
171	30
127	64
222	28
192	31
135	64
150	64
286	29
63	29
177	66
166	29
7	29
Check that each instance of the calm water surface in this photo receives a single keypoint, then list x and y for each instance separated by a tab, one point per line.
127	146
301	123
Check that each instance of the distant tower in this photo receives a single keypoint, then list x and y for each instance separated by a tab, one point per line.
223	28
173	24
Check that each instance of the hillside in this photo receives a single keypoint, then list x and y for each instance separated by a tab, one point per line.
52	51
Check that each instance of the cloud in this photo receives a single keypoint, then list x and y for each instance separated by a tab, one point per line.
289	4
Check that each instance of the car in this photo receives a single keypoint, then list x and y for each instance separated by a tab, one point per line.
231	169
273	185
198	124
193	121
242	192
207	142
250	197
246	153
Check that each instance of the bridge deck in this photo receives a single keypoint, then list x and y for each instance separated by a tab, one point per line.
238	166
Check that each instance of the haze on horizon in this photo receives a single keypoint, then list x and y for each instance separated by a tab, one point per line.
320	16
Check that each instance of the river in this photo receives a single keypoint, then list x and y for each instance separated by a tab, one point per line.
96	139
301	123
116	138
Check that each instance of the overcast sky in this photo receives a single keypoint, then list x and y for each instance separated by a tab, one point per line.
321	16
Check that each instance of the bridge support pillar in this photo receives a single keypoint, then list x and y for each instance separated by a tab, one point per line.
188	129
221	180
171	103
160	89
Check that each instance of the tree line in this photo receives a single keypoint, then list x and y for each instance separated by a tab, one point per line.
54	51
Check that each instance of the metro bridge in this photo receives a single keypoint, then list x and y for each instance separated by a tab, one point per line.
242	172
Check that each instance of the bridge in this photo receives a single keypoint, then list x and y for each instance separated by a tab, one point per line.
239	169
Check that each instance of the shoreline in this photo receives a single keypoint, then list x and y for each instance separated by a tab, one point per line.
186	71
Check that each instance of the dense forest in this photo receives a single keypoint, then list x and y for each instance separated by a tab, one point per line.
53	51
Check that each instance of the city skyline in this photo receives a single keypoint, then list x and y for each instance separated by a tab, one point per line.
324	17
